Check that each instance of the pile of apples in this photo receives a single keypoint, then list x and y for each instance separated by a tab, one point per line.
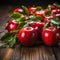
45	29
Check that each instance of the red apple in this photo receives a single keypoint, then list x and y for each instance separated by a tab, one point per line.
27	36
38	27
31	10
53	7
48	18
12	25
19	10
58	34
57	15
50	36
56	11
40	13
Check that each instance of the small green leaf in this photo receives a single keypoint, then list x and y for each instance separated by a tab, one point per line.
15	15
55	21
20	19
26	25
25	9
49	9
36	18
12	41
21	24
38	8
3	45
57	5
6	37
45	25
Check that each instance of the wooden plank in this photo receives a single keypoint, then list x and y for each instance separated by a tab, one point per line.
46	53
2	53
29	53
57	52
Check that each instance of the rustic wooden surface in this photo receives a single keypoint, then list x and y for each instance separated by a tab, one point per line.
41	52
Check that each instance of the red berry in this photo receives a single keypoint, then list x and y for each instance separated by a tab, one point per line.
31	10
12	25
27	36
50	36
19	10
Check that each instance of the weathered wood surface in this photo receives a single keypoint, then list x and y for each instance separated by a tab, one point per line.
24	53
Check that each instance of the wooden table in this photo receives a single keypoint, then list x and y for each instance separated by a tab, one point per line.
41	52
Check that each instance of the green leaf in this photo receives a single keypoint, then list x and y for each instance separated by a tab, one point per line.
26	25
57	5
45	25
49	9
21	24
38	8
21	19
6	37
36	18
12	41
3	45
25	9
15	15
55	21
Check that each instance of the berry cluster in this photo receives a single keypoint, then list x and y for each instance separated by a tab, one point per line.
28	25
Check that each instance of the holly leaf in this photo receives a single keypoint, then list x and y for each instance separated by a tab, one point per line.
15	15
25	9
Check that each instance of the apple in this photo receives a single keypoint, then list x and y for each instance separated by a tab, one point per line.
38	26
58	16
40	13
53	7
19	10
58	34
27	36
31	10
12	25
48	18
56	11
50	36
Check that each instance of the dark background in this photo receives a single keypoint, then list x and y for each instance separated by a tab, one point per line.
28	2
